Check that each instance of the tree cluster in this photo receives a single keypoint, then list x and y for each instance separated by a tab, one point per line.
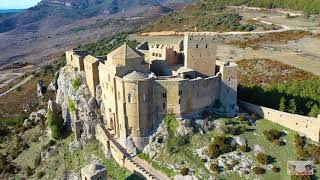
297	97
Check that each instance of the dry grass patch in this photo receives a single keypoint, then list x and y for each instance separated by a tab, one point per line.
281	38
15	102
266	71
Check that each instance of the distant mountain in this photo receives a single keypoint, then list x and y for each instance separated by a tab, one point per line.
2	11
65	11
53	26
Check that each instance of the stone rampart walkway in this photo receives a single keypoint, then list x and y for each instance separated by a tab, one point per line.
133	162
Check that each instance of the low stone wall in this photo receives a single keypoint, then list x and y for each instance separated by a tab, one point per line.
308	126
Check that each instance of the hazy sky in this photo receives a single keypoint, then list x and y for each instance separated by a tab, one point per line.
17	4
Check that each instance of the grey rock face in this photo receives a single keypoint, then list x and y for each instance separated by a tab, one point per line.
86	105
53	86
156	141
131	146
234	162
257	149
240	141
204	125
41	88
35	118
184	128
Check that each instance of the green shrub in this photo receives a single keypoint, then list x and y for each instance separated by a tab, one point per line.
313	152
55	132
263	159
72	106
232	130
171	122
305	177
314	111
214	167
242	117
37	160
282	105
275	169
76	83
28	171
219	146
253	116
55	123
184	171
258	170
174	143
40	174
272	134
243	148
277	142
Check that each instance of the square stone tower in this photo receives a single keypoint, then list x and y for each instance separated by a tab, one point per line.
200	53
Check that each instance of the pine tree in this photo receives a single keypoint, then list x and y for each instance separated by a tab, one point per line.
292	106
315	111
282	105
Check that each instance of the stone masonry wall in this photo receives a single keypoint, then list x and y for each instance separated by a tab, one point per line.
310	127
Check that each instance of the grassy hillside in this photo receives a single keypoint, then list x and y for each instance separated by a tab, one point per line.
212	15
307	6
105	45
201	17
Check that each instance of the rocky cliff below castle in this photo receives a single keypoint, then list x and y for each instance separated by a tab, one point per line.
76	102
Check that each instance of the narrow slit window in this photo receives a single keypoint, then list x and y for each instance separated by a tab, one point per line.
129	98
164	95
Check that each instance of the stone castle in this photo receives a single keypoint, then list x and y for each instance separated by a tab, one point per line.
139	86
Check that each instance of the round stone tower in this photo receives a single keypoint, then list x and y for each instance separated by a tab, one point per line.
138	105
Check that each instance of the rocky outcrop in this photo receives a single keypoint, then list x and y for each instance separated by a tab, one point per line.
86	105
156	141
41	88
35	118
257	149
184	128
53	86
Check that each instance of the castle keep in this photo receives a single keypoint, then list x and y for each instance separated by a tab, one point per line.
139	86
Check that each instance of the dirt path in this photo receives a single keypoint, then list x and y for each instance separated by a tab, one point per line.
6	80
17	85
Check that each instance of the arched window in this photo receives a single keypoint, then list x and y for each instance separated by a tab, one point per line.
197	46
